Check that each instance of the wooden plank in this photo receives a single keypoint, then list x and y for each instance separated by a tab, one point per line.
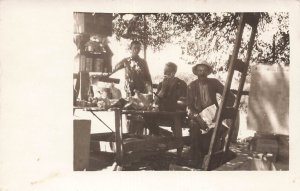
81	145
136	156
103	137
177	113
100	76
103	77
152	144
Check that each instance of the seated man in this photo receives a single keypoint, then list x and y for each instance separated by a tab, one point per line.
169	92
201	96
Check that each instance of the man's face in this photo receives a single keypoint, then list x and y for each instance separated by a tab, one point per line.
169	71
202	71
135	49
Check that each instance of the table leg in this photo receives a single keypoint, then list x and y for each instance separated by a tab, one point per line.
118	136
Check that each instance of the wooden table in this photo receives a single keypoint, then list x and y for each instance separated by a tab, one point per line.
127	150
130	147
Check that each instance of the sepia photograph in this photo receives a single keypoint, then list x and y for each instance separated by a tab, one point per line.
181	91
149	95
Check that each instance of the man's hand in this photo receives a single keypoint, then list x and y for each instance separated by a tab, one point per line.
201	122
164	87
165	82
197	118
190	113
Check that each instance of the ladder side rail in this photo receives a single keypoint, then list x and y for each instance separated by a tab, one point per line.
225	91
244	74
241	87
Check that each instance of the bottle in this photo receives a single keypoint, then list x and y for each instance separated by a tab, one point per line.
90	93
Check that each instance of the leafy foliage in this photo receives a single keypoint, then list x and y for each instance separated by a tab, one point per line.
207	36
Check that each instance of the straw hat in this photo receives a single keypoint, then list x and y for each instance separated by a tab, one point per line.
204	63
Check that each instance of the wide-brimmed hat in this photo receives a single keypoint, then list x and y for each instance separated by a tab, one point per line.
204	63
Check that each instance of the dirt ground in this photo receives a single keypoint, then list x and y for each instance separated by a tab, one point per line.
241	158
161	162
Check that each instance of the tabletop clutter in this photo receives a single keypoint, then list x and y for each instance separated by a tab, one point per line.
110	97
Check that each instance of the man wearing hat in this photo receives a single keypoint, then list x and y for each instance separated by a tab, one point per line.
201	94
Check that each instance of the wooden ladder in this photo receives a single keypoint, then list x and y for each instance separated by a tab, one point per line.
216	156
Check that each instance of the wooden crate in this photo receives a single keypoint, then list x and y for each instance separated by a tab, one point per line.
81	130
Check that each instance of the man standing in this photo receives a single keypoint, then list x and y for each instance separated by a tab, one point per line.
137	75
137	79
201	94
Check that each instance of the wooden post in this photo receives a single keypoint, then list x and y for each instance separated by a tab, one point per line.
84	85
118	136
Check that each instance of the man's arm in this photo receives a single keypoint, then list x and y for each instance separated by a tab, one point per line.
119	66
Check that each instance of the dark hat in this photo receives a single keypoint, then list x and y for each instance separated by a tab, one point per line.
204	63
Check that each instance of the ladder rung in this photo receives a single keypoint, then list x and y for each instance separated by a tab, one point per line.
243	92
228	113
251	19
218	152
240	66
